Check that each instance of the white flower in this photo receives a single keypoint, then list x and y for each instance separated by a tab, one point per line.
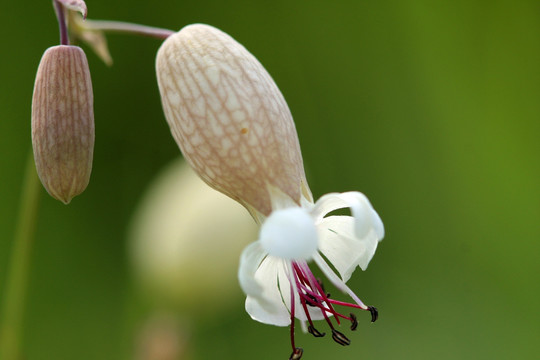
235	129
274	271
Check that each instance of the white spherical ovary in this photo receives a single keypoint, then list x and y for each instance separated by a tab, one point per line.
290	234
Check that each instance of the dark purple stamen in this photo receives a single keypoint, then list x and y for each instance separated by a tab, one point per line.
312	295
292	327
319	281
311	300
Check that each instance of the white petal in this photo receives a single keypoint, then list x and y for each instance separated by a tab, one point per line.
339	245
377	224
336	281
251	258
370	242
365	217
258	277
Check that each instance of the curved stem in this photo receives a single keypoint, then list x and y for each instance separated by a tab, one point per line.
62	24
125	27
14	293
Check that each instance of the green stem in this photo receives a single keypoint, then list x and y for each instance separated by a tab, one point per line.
17	277
128	28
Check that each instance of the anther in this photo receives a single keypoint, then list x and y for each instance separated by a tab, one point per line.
340	338
354	322
315	332
297	354
374	313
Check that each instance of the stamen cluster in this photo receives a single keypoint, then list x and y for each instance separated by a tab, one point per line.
311	293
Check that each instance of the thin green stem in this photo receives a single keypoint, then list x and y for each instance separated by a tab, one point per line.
19	267
125	27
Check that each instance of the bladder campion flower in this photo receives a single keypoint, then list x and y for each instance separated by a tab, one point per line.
235	129
63	122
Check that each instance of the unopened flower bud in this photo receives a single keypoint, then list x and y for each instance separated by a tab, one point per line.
230	119
63	122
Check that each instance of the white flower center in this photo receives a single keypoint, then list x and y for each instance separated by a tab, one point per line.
290	234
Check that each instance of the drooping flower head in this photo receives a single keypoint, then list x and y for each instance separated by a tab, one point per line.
235	129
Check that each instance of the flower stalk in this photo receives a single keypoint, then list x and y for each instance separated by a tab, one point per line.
92	32
62	23
127	28
14	293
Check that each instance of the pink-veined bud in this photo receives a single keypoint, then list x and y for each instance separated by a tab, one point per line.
63	122
230	120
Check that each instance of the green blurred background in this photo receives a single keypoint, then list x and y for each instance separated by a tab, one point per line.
431	108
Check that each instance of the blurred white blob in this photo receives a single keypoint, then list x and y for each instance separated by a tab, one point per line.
185	242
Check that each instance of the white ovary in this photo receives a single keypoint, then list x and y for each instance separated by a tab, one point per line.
290	234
